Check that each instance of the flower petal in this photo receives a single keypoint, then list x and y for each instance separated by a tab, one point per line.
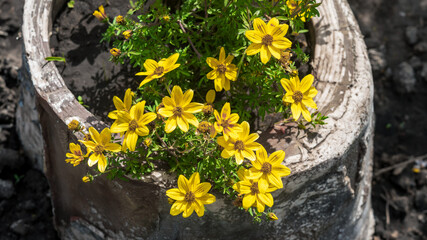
183	185
229	59
275	52
265	54
306	83
259	25
170	124
182	123
305	113
171	60
296	110
150	65
188	96
286	84
311	93
105	136
102	163
280	30
191	119
210	96
175	194
309	102
112	147
254	36
212	62
207	198
212	74
227	85
131	140
253	49
282	43
248	201
94	135
177	95
225	111
272	24
193	107
221	55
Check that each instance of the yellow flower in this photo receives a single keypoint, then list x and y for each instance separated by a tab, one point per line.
166	18
99	144
157	70
223	71
179	110
293	7
121	105
243	146
227	123
76	155
268	39
133	124
120	20
100	14
256	192
87	178
191	195
115	52
300	95
127	34
148	141
272	217
269	167
74	125
208	107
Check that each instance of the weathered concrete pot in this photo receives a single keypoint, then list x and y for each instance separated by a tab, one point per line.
326	197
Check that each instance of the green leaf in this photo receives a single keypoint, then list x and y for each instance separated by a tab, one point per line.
70	4
55	59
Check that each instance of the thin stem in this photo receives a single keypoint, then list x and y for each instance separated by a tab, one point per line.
189	40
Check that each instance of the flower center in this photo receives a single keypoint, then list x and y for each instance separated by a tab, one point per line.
133	125
208	109
297	97
266	168
254	188
177	111
98	149
190	197
267	40
225	124
221	68
239	145
159	71
204	127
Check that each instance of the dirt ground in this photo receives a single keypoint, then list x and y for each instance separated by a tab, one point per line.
396	36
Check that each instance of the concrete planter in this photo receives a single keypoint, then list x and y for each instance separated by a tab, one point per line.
326	197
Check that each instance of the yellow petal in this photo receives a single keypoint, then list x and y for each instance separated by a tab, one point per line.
188	211
102	163
94	135
150	65
201	189
248	154
217	83
194	181
286	84
142	131
207	199
113	114
183	184
306	114
168	102
199	208
175	194
259	25
272	24
275	180
296	111
93	159
165	112
177	95
231	75
259	206
280	31
221	55
128	99
212	74
193	107
227	85
229	59
147	118
253	49
277	157
212	62
176	208
131	140
225	112
182	124
191	119
282	43
105	136
251	138
146	80
306	83
171	68
188	96
265	54
248	201
311	93
254	36
227	154
113	147
210	96
239	157
309	102
170	124
275	52
245	129
171	60
118	103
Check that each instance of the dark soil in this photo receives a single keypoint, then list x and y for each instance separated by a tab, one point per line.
396	37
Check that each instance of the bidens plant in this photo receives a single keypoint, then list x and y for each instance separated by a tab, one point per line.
209	145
